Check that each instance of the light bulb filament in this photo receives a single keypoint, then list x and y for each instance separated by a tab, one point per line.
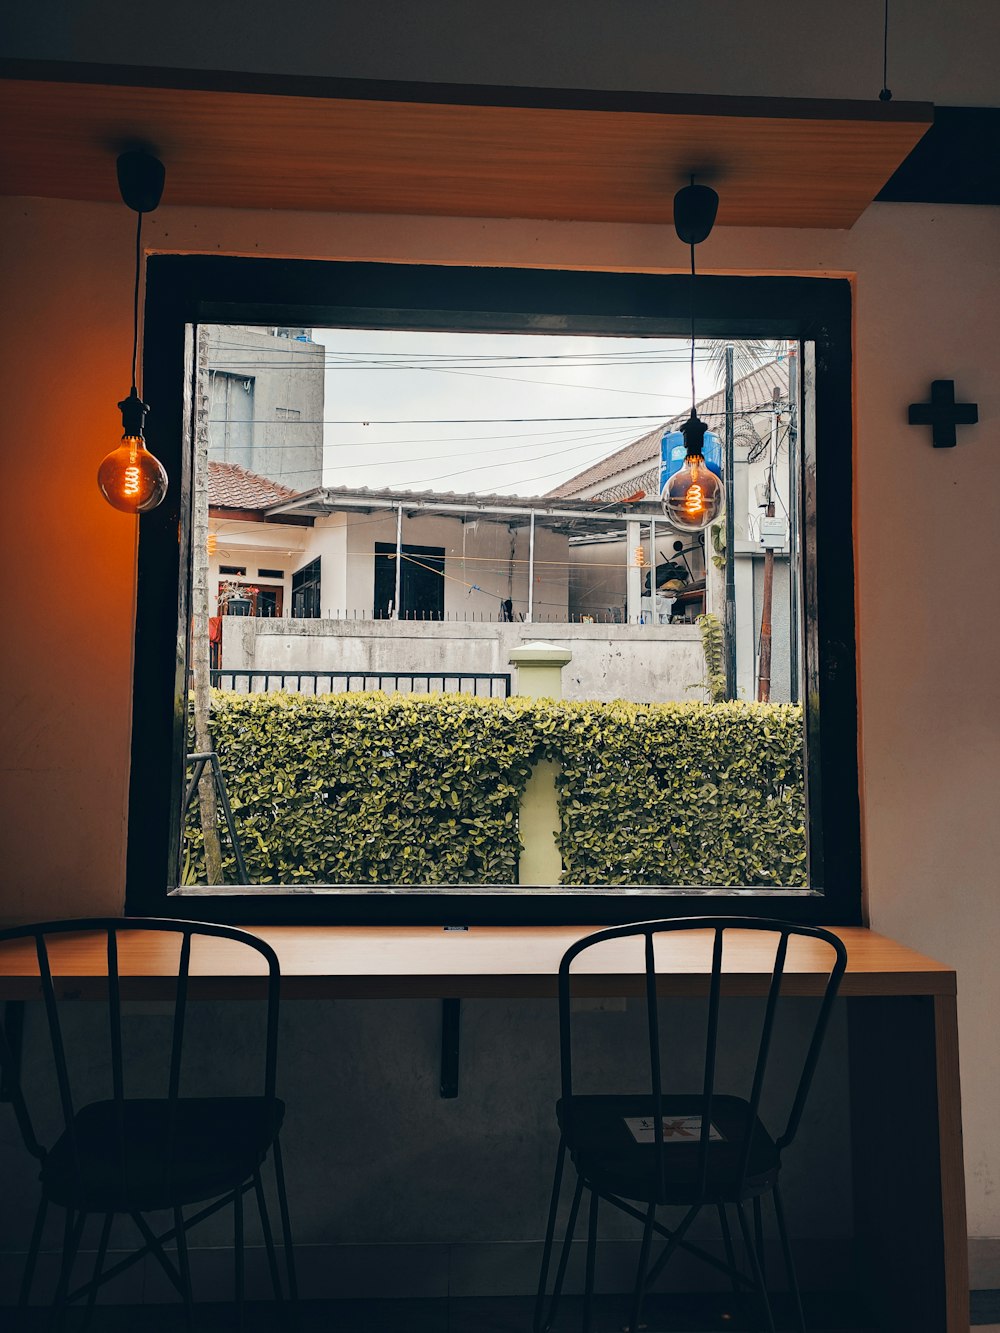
131	486
694	501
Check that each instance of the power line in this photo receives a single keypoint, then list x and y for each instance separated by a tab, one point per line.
478	421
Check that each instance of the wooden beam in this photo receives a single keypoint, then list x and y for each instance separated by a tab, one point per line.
472	152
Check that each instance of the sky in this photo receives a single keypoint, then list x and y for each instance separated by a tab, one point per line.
512	414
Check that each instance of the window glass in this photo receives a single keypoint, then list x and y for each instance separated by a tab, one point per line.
490	619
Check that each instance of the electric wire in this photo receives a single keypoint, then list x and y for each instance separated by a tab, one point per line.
885	95
692	325
135	298
480	421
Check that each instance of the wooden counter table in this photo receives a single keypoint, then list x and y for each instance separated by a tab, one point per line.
909	1187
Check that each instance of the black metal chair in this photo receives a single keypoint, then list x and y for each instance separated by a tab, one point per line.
131	1155
727	1160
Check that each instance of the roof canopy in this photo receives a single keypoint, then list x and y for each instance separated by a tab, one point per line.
516	511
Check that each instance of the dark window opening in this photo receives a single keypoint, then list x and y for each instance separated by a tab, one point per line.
270	573
239	570
421	582
251	600
306	591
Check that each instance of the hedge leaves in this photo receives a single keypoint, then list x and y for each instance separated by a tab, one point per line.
423	789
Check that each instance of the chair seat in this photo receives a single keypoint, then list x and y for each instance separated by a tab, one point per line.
607	1155
218	1143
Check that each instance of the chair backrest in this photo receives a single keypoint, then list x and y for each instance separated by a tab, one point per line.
110	928
717	928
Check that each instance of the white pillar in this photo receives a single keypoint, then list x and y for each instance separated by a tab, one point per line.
633	574
399	560
654	618
531	568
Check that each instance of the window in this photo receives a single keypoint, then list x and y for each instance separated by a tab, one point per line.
306	589
568	543
250	599
420	582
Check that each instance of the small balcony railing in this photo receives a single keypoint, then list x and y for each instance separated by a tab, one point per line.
483	684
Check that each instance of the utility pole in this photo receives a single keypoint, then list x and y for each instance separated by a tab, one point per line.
793	524
729	625
200	647
764	665
764	668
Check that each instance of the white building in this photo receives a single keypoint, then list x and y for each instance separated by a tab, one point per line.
415	583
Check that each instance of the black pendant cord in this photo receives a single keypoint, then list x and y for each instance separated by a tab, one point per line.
692	331
135	298
885	95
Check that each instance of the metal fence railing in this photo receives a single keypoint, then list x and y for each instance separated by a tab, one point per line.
483	684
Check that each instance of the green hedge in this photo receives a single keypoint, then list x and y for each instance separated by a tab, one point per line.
374	788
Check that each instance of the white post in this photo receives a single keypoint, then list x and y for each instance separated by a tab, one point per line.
633	574
654	619
531	568
399	560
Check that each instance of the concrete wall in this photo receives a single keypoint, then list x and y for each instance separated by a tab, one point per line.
927	286
644	663
283	439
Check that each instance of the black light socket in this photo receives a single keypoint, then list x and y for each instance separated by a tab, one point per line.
140	180
133	411
694	430
695	207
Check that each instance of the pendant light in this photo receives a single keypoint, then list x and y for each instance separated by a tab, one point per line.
130	477
693	497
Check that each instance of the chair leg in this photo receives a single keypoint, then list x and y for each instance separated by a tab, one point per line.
564	1254
238	1254
755	1268
32	1257
588	1295
72	1232
786	1250
672	1245
265	1226
550	1231
640	1275
184	1268
727	1241
286	1226
758	1231
102	1250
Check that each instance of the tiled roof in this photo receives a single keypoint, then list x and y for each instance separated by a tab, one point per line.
233	487
752	391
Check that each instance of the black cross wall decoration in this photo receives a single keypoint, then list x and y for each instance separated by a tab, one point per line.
943	414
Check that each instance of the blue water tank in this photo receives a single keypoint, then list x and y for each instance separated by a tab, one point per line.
673	451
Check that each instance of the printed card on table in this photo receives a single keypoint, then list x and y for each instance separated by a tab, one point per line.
676	1129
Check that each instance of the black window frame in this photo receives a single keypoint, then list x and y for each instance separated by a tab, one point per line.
307	584
184	291
429	558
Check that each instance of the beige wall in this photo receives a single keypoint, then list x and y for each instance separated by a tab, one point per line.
927	289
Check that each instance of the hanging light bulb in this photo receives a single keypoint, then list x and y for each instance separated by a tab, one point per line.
130	477
693	496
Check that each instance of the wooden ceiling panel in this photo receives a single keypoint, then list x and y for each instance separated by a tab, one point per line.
619	158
